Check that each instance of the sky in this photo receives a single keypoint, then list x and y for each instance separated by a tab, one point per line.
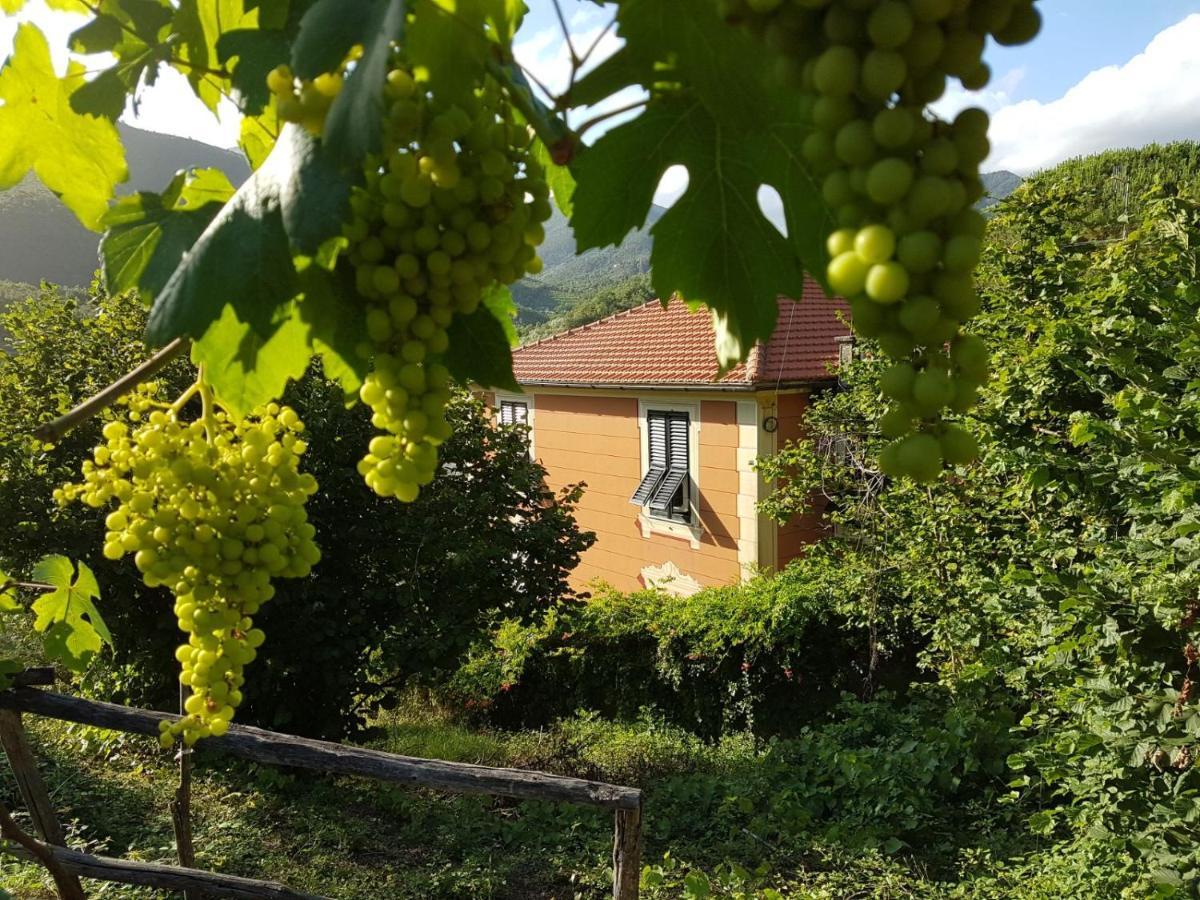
1102	74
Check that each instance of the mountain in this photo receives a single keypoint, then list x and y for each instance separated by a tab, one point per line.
566	279
41	240
997	186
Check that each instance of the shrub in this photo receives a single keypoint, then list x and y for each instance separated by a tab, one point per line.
767	655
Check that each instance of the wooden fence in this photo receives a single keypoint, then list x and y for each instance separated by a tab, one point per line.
281	749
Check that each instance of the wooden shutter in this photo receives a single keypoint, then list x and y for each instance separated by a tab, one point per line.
656	428
677	427
513	412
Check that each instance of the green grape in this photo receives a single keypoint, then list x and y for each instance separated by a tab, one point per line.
840	241
958	446
855	145
896	422
887	282
875	244
883	73
847	274
214	510
932	391
893	127
897	381
921	456
836	73
889	180
890	25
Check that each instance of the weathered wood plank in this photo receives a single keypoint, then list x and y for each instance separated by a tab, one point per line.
286	750
29	780
174	878
627	854
43	675
34	793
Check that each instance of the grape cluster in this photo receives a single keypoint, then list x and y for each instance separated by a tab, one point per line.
212	509
901	184
454	204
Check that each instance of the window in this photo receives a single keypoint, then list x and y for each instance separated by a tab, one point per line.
514	412
666	487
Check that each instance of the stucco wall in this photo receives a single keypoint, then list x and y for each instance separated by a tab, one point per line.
596	438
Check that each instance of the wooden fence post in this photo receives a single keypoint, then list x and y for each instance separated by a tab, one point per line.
627	853
32	788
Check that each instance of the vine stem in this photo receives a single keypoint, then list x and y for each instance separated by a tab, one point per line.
52	432
67	888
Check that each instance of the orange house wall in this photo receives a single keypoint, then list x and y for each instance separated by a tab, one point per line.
596	440
800	531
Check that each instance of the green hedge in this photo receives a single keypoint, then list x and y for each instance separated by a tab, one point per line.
766	656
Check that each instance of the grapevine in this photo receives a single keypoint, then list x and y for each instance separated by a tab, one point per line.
901	183
213	509
454	204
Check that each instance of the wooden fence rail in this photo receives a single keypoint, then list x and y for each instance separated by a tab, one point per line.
271	747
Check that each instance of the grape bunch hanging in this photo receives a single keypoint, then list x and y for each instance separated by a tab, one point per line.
453	205
901	184
213	509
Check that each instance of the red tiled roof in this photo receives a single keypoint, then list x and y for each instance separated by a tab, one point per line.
649	345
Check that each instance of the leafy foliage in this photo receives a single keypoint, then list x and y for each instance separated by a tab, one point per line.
766	656
78	157
1059	575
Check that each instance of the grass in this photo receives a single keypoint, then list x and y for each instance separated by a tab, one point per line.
709	822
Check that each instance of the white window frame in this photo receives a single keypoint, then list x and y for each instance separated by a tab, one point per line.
527	399
651	524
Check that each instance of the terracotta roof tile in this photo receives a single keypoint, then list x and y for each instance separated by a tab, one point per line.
650	345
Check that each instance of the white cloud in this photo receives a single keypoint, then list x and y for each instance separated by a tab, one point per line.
1155	97
995	96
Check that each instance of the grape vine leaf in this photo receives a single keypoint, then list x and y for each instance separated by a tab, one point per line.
354	125
72	628
247	368
444	40
78	157
199	25
328	29
129	30
481	343
259	134
250	54
148	234
244	257
8	598
716	110
333	334
562	183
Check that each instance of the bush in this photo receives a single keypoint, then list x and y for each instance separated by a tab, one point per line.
767	656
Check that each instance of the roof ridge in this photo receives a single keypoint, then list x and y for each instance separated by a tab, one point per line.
587	325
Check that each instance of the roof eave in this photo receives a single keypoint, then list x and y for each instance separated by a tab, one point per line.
716	386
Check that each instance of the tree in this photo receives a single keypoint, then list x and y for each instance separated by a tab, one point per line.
403	588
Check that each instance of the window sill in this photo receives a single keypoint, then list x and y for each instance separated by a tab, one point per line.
683	530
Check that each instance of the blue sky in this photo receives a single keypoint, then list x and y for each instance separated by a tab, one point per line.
1103	73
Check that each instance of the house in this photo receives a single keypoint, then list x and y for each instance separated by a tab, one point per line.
634	406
